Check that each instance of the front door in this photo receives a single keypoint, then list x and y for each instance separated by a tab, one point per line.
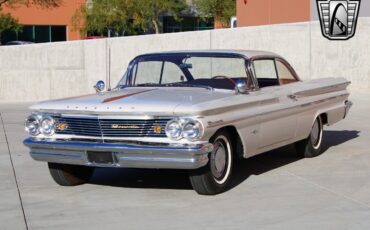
278	120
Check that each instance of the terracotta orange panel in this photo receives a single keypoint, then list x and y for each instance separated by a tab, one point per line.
34	15
285	11
263	12
252	12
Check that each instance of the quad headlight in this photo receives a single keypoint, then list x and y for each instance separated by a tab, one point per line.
174	129
37	124
47	126
187	128
32	125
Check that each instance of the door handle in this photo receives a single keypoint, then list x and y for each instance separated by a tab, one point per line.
293	97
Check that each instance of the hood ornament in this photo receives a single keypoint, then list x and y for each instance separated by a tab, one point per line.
99	86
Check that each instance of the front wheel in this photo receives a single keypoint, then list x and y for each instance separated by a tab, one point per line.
311	146
70	175
215	176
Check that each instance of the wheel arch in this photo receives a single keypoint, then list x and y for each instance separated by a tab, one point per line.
237	141
324	118
323	115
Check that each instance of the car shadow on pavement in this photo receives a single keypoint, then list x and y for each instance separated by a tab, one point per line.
333	138
268	161
178	179
142	178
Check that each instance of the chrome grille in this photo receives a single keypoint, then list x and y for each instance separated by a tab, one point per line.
100	127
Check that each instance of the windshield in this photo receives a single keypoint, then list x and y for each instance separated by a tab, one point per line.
164	70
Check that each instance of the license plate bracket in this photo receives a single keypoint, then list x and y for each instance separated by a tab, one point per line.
96	157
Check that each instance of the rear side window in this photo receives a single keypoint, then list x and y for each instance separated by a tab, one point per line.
285	75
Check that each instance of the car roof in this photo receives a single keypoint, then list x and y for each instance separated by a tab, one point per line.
246	53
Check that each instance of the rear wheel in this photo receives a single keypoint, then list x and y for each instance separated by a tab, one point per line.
311	146
215	176
70	175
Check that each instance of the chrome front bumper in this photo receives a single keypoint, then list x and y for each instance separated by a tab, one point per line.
123	155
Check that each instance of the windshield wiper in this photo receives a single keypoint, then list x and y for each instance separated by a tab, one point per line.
184	84
148	84
175	84
141	85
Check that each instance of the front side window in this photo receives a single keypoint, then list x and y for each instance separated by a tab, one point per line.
265	69
265	72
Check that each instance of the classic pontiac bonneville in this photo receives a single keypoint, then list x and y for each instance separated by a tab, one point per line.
194	110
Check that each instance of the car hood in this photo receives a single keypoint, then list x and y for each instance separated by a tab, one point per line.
136	100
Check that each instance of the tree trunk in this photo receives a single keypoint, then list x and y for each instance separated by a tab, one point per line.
156	26
219	24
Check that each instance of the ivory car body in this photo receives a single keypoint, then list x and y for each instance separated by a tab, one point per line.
195	110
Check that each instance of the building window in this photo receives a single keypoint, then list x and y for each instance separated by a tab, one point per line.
37	34
58	33
170	25
42	34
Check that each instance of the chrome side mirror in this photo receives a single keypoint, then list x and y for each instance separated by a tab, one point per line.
241	87
99	86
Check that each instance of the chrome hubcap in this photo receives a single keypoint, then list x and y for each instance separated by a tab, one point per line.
219	160
315	133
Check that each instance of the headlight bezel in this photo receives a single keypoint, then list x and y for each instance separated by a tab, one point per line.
37	120
169	133
51	130
33	119
198	128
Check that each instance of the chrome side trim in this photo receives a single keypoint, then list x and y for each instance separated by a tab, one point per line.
267	101
57	154
321	90
283	109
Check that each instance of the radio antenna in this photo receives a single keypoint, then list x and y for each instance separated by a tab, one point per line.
107	64
109	57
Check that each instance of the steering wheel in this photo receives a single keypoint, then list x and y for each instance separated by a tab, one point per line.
225	77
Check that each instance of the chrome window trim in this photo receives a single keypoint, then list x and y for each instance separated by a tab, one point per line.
287	65
274	58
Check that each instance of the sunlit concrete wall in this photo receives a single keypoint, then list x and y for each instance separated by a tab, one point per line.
57	70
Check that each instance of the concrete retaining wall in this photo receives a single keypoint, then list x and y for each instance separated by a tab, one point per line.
56	70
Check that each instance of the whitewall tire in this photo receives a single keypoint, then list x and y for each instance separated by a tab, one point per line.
311	146
214	178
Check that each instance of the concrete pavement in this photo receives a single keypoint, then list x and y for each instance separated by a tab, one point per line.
275	190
